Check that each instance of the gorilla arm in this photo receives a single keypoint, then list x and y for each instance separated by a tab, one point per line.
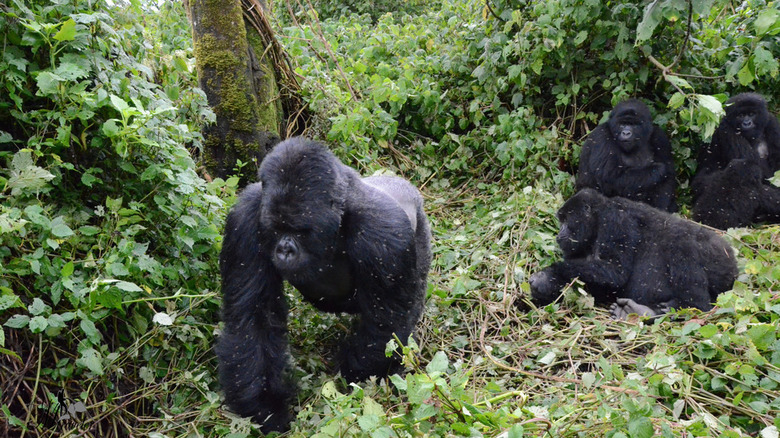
605	167
252	347
769	203
381	247
605	270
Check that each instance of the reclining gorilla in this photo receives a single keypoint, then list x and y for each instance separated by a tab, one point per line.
346	243
628	156
635	257
730	187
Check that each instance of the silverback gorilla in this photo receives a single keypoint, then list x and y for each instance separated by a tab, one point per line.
635	257
730	187
346	243
629	156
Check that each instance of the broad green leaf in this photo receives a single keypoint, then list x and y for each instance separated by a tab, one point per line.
31	179
48	82
110	128
110	298
329	390
9	300
702	7
745	75
91	359
676	100
71	72
118	103
766	19
581	36
438	364
650	20
640	428
765	62
679	82
712	104
67	31
399	382
762	335
38	324
162	318
89	230
38	307
61	230
588	379
17	321
128	286
708	331
89	329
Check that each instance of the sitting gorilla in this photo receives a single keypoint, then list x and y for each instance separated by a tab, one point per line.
640	259
630	157
730	187
346	243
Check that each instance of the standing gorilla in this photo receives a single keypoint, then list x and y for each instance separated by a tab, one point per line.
629	156
346	243
730	187
640	259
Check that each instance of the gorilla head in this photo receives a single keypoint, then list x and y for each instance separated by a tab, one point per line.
631	125
747	115
578	225
304	200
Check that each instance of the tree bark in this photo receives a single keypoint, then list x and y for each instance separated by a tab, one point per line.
238	76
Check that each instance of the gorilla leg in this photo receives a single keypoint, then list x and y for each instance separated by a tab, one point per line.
729	197
363	355
622	307
769	204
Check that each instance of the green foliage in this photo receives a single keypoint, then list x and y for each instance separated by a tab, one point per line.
108	237
510	89
374	9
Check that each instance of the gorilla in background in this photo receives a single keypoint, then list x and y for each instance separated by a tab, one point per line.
635	257
629	156
346	243
730	187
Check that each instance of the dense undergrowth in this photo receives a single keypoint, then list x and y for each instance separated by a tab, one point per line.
109	290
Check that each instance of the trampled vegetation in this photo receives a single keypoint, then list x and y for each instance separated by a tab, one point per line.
109	236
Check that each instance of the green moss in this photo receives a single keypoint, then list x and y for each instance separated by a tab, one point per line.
269	107
224	74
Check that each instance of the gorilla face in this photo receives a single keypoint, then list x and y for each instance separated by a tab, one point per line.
630	125
747	114
302	208
300	246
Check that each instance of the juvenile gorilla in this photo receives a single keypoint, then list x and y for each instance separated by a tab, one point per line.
730	187
628	156
640	259
346	243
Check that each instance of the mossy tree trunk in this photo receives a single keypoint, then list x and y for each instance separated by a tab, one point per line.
241	86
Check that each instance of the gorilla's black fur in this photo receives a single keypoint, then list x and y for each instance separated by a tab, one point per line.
629	156
346	243
640	259
730	187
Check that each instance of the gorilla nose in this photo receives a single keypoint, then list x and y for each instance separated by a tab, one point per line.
286	249
747	124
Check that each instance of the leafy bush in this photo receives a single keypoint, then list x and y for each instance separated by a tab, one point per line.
510	89
108	237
